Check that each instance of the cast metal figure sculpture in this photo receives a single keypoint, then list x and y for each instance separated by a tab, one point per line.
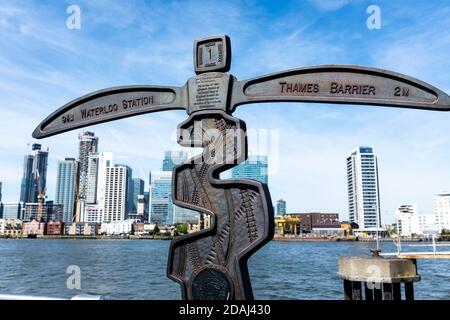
212	263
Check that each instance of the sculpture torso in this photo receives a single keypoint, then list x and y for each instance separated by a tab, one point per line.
211	264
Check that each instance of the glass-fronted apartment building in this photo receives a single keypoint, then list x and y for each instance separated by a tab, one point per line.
66	184
363	190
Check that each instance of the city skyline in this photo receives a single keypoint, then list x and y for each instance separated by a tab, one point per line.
411	144
255	167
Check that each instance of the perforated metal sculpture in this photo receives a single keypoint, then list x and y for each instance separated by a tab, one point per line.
212	263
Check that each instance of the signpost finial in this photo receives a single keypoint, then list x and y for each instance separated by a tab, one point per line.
212	54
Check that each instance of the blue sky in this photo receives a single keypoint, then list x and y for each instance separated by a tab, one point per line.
43	65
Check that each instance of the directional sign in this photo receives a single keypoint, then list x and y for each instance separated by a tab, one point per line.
341	84
212	263
344	84
111	104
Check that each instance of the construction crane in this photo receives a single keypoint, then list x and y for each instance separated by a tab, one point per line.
41	195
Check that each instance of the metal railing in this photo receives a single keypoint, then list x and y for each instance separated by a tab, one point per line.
418	254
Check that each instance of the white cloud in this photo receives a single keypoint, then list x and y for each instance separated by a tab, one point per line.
297	49
419	49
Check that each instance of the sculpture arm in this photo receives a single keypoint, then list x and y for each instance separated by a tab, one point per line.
111	104
344	84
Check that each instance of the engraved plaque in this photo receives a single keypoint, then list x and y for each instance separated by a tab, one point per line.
341	85
208	91
211	284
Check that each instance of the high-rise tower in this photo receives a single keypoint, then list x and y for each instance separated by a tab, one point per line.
36	162
363	189
66	184
88	144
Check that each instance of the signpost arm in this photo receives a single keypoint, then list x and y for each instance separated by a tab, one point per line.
344	84
111	104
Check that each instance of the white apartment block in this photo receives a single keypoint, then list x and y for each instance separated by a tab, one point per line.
117	227
408	220
93	209
427	224
92	177
92	213
441	204
105	160
115	194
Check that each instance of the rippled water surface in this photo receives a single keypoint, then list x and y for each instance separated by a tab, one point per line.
131	269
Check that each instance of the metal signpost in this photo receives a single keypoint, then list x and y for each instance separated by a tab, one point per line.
212	263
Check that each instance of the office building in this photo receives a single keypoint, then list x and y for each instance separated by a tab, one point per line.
34	164
11	210
66	184
281	207
161	205
50	211
27	179
363	190
136	190
147	204
255	167
162	209
172	159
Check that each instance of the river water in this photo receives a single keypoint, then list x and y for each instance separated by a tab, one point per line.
133	269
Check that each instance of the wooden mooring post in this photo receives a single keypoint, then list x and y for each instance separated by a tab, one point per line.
376	278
